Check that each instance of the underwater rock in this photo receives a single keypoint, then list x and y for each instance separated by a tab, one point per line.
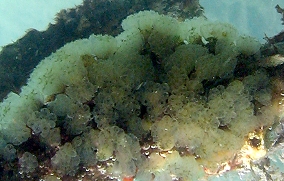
166	83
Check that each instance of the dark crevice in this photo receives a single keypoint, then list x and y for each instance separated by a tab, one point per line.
210	84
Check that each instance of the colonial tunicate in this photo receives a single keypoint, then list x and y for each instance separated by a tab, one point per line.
176	86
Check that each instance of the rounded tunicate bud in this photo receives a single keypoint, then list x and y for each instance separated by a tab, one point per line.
9	152
66	160
28	162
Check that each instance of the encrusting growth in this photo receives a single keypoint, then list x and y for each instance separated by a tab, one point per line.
173	85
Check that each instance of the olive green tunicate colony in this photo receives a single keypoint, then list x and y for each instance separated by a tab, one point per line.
162	100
